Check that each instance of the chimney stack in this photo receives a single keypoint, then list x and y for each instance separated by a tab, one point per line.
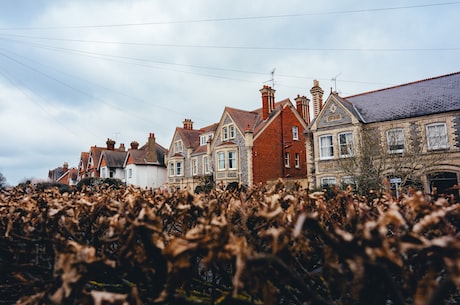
110	144
134	145
188	124
122	147
317	94
151	149
303	107
268	101
65	167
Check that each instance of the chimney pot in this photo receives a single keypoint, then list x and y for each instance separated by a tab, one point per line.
134	145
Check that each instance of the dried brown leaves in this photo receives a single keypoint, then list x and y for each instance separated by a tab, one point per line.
265	245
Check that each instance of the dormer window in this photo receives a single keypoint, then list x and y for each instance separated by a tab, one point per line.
203	140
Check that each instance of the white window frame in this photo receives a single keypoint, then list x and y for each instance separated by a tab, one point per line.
348	145
439	140
206	165
221	160
395	140
179	169
178	147
297	160
231	131
322	149
331	181
130	172
194	167
231	160
172	170
225	133
203	140
295	133
287	160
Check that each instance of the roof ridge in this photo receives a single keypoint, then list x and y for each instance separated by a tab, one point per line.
403	85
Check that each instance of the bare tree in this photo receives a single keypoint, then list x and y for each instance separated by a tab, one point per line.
380	156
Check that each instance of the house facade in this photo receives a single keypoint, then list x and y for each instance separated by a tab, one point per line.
404	135
244	147
144	166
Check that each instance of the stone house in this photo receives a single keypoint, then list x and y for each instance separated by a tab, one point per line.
409	133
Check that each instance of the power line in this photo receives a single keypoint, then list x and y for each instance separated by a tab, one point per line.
138	61
224	19
257	48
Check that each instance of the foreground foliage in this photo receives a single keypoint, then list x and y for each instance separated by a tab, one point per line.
264	245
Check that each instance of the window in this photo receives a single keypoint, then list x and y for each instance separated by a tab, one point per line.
130	173
171	169
203	140
436	135
231	160
232	131
221	161
205	165
348	181
286	159
178	168
346	144
395	140
194	167
297	160
111	173
295	133
225	133
178	146
328	181
326	149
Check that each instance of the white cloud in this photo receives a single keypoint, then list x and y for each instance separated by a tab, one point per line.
58	97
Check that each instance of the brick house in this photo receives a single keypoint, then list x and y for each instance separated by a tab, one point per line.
244	147
414	130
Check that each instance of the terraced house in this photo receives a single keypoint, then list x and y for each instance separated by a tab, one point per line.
244	147
402	135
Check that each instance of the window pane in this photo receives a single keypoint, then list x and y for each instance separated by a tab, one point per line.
437	136
295	133
221	160
179	169
395	138
297	160
326	147
171	169
231	160
286	159
346	144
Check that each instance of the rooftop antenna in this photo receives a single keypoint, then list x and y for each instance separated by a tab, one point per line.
272	80
334	79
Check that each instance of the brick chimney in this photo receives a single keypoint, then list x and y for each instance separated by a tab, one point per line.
317	95
110	144
151	149
188	124
134	145
303	107
65	167
268	101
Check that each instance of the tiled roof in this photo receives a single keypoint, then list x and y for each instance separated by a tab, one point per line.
114	158
190	137
243	119
429	96
139	156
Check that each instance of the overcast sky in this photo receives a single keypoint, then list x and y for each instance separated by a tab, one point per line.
74	73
